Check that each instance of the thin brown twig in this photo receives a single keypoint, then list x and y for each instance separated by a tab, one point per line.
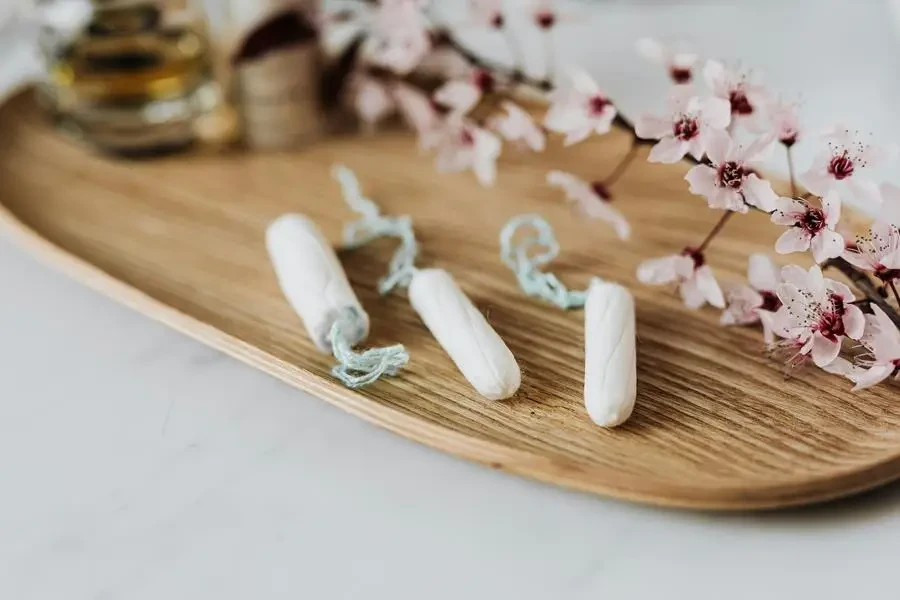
896	293
715	230
620	168
790	162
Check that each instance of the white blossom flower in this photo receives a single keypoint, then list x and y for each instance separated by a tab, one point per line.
818	313
579	109
846	162
809	227
686	128
591	201
696	282
729	182
678	62
462	145
748	304
516	125
747	99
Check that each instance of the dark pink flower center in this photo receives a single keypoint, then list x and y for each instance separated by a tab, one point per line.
598	104
740	105
680	74
841	166
831	322
484	81
831	326
467	138
731	175
545	19
696	255
601	190
497	21
813	220
788	137
686	129
770	302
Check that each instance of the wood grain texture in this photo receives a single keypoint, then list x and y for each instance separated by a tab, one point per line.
717	424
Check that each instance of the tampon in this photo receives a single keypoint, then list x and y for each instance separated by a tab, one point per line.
464	333
610	369
313	280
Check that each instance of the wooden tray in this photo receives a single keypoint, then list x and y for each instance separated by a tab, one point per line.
717	424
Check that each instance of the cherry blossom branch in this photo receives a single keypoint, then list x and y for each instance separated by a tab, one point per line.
858	278
896	293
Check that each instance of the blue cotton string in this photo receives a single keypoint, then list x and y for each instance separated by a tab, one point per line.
530	252
359	369
374	225
356	369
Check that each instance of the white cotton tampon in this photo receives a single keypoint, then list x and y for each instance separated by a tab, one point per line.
313	280
610	365
464	333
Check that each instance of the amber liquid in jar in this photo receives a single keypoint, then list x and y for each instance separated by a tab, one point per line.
129	86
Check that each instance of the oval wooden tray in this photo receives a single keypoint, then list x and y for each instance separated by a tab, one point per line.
717	424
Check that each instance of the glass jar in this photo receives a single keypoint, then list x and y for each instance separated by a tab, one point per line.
128	77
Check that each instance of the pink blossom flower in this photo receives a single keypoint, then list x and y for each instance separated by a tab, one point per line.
679	63
686	128
579	108
784	122
818	312
591	201
747	99
748	303
882	341
461	96
729	182
877	251
487	13
461	145
846	161
809	227
696	281
398	35
516	125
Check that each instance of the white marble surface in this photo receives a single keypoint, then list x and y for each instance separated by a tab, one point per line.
136	463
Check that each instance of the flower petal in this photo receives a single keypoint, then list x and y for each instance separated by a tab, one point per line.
831	206
872	376
824	351
707	284
827	244
658	271
716	112
794	239
652	127
668	150
762	273
458	96
702	180
718	146
758	192
854	322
